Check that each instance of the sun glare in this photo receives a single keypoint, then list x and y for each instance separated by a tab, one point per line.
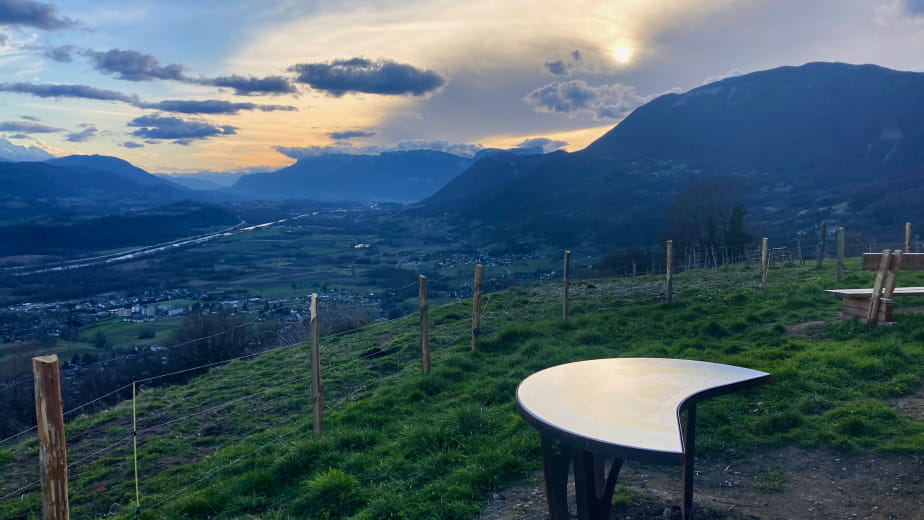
622	53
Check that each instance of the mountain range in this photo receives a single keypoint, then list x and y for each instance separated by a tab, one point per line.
792	145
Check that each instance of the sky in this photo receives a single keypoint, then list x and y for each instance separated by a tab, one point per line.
240	85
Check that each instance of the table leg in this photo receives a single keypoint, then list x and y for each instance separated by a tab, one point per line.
593	490
556	466
689	441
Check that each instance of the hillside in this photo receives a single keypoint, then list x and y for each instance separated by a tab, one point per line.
795	145
238	442
81	184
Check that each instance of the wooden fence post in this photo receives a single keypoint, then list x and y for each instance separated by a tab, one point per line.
763	263
840	254
317	387
822	235
564	295
476	304
669	271
49	412
907	237
424	326
799	252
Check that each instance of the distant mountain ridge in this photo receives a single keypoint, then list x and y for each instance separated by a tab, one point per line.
391	176
801	144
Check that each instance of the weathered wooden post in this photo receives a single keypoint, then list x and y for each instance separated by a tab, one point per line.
669	271
317	387
822	235
840	254
424	326
49	413
476	305
763	263
564	295
799	252
907	237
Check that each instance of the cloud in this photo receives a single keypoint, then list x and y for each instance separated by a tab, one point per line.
561	68
131	144
915	7
548	145
31	118
61	53
89	131
72	91
182	130
382	76
28	127
577	97
557	67
460	149
32	14
350	134
19	136
133	65
247	86
210	106
730	74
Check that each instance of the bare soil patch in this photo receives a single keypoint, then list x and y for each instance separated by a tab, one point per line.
778	484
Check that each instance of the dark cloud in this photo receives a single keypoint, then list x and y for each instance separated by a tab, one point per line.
372	77
73	91
350	134
577	97
461	149
247	86
89	131
132	144
557	67
133	65
19	136
563	68
28	127
181	130
915	7
210	106
61	54
548	145
30	118
32	14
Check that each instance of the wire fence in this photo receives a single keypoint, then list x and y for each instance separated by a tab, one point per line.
156	417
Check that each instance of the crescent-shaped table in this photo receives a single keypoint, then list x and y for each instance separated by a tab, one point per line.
623	408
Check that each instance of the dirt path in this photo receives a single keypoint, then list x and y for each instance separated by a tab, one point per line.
781	484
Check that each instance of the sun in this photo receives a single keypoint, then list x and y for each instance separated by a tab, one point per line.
622	53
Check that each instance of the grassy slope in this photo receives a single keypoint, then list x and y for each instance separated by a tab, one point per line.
401	445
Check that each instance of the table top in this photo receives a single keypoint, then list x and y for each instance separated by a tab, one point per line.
627	404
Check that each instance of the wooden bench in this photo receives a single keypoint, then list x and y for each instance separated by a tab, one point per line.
874	305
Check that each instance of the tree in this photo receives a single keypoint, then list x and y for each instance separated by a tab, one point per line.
707	213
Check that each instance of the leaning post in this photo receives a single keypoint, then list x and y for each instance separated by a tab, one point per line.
763	263
476	304
840	254
907	237
669	270
49	413
424	326
317	387
820	251
566	267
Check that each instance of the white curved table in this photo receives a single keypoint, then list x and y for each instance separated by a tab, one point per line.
619	408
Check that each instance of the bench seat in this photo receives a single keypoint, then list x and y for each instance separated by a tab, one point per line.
904	291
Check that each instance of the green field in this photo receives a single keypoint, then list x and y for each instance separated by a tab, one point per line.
238	442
